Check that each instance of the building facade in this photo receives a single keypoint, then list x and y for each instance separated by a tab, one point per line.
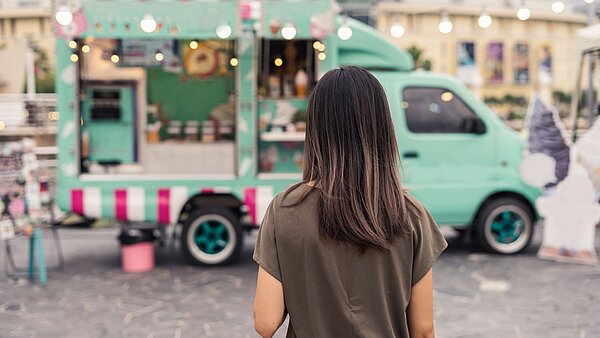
25	25
509	57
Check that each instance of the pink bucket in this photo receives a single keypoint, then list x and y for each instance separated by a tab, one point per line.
137	257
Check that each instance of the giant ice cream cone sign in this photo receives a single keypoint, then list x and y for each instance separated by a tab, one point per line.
569	206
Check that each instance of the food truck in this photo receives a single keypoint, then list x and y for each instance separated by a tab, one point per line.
192	114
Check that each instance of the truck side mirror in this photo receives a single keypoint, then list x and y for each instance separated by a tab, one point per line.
473	125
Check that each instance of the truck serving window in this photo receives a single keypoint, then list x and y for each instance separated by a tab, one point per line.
437	110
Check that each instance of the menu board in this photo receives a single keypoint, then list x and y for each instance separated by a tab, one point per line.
147	53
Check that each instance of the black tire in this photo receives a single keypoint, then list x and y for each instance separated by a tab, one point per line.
203	240
505	226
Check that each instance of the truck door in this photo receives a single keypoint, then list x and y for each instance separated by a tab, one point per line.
447	151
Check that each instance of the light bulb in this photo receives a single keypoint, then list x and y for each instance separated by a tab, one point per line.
316	45
114	58
148	24
234	62
64	16
397	30
72	44
85	49
523	13
278	62
159	56
288	31
224	31
321	56
558	7
344	32
485	20
194	44
74	57
445	25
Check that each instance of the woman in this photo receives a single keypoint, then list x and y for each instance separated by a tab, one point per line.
347	252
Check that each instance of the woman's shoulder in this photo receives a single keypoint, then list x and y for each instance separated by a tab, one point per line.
293	195
417	213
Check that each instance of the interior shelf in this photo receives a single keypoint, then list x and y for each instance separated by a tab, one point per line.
282	136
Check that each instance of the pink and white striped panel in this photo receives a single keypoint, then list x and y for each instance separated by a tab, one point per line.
87	202
257	200
170	201
130	204
215	190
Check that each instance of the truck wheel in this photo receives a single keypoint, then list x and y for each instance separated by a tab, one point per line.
505	226
211	236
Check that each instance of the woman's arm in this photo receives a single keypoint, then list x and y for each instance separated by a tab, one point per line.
420	308
269	305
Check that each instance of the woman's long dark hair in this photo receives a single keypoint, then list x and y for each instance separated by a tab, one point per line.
351	157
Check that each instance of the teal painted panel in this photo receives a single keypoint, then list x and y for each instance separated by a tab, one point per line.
182	19
277	13
367	48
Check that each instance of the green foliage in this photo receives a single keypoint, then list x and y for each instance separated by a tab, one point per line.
45	84
417	54
561	97
515	106
44	73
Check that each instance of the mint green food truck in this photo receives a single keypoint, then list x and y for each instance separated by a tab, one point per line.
192	114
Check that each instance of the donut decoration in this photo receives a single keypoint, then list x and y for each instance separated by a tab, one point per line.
202	61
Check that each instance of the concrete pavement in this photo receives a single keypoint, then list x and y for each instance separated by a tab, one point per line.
476	295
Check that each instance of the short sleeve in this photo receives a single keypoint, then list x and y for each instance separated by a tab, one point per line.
428	244
265	251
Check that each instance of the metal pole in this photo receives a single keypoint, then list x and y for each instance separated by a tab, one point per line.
590	91
30	66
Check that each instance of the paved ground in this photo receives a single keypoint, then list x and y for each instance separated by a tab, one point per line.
477	295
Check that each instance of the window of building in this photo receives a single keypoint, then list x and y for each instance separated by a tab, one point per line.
437	110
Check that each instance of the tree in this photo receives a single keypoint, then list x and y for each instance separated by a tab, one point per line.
416	54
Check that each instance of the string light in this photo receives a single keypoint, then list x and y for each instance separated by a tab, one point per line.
316	45
445	25
64	16
115	58
278	62
53	116
234	62
558	7
485	20
224	31
344	32
194	44
523	13
288	31
148	24
85	49
72	44
159	56
74	57
397	30
321	56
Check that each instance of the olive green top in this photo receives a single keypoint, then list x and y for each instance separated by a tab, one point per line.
333	289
